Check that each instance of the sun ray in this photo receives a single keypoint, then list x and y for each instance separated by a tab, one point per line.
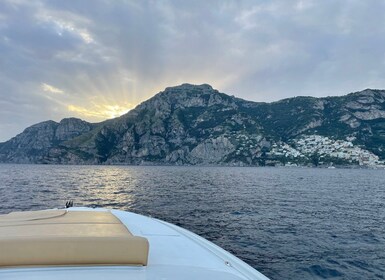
100	111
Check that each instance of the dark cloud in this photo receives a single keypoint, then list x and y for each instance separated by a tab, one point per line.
56	54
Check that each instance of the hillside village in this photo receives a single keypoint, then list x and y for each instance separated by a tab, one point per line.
323	151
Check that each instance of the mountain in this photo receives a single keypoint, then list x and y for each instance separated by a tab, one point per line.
38	143
196	124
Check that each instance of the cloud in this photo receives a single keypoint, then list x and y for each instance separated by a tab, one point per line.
122	52
49	88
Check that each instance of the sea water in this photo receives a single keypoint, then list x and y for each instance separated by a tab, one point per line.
288	223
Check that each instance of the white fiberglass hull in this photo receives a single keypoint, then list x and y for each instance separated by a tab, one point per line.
175	253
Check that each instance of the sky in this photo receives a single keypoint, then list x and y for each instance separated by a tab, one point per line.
98	59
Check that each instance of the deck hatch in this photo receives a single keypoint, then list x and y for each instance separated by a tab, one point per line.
60	237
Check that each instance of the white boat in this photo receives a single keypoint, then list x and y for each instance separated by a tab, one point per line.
92	244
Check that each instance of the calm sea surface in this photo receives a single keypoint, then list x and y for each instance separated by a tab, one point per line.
289	223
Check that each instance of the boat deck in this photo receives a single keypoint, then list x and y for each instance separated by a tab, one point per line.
174	253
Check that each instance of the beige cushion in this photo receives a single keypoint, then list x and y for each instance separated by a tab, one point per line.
31	215
59	237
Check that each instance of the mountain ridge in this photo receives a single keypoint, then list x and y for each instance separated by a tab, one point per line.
196	124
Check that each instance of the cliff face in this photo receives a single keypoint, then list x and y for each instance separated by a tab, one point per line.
35	143
191	124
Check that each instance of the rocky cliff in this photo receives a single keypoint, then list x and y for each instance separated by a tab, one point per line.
38	142
191	124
